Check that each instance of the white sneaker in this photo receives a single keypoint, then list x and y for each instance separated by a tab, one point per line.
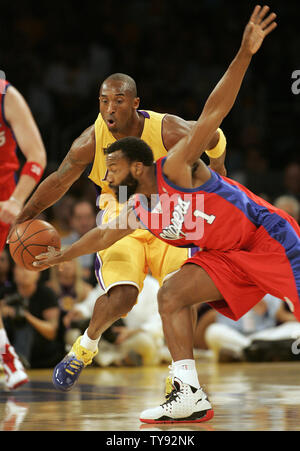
15	375
186	404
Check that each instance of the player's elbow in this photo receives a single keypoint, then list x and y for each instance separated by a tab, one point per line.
214	115
38	155
43	158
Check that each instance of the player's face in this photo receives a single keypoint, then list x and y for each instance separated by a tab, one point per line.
119	174
117	106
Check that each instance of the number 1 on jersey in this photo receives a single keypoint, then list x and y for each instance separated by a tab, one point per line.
208	218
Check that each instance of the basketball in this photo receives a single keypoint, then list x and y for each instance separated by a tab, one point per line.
30	239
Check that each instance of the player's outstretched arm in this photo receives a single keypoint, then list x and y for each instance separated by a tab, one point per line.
95	240
221	100
57	184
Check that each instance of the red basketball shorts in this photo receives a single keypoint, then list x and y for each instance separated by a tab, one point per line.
271	264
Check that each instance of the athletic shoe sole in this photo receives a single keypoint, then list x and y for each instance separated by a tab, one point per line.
208	416
18	385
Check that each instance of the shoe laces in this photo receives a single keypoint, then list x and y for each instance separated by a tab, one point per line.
73	366
173	396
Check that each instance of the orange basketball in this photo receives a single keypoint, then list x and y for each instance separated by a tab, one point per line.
30	239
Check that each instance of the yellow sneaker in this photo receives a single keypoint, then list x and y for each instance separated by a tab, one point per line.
169	387
82	353
67	372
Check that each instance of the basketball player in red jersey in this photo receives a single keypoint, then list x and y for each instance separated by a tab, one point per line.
249	247
17	127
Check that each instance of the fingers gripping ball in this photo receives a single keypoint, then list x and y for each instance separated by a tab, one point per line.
30	239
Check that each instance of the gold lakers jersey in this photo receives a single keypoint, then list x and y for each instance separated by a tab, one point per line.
152	135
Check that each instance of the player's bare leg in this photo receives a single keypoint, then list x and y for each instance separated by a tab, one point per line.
189	286
169	378
108	309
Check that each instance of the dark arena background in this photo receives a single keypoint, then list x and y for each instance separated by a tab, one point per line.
57	54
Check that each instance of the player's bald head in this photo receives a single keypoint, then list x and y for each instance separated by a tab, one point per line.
126	81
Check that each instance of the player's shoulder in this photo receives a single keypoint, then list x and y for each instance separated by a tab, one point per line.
83	148
150	114
12	94
86	138
14	105
175	121
174	128
13	97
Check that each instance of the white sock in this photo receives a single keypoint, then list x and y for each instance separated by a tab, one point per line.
186	371
3	340
88	343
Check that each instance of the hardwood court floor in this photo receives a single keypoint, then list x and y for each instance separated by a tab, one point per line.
246	397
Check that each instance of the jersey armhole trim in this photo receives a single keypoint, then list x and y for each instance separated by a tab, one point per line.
2	106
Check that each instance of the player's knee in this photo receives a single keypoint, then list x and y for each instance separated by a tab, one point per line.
169	300
123	298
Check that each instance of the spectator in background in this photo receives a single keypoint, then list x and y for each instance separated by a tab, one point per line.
289	204
83	219
61	212
292	180
31	318
6	276
67	282
257	176
253	336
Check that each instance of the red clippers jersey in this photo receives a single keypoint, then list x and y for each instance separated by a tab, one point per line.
249	247
8	160
221	214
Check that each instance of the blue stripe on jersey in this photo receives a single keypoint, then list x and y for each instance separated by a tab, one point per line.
193	251
276	226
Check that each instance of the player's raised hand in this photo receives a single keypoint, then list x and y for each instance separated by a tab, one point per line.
261	24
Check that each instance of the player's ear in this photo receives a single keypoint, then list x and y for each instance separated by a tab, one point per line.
137	168
136	103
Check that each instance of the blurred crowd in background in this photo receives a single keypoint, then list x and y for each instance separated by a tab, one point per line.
57	55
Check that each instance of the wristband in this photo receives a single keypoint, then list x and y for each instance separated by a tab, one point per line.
34	170
217	151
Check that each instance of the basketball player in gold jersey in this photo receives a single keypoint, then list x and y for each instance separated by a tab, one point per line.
122	268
